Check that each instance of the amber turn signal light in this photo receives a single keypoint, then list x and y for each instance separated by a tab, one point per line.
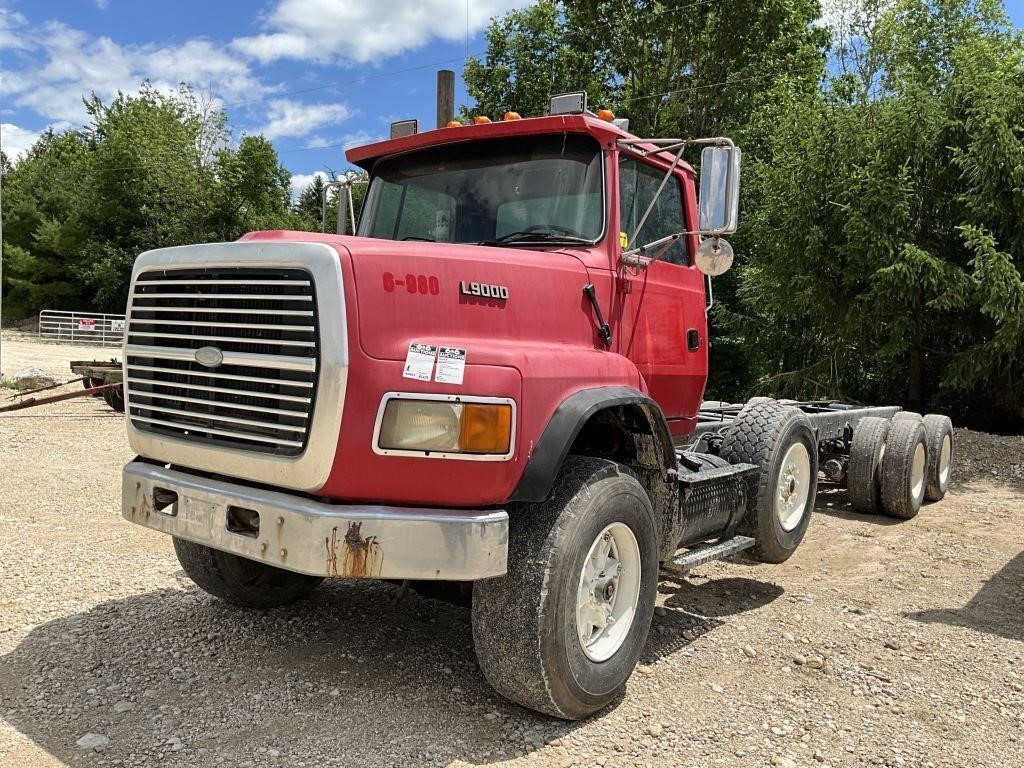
485	428
606	115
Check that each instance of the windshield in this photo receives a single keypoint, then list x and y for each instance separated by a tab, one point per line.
526	189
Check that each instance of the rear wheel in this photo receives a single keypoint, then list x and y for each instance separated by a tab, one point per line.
239	580
863	484
780	441
114	398
938	434
904	468
562	631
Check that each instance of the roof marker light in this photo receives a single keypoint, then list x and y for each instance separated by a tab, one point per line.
481	119
453	124
606	114
513	116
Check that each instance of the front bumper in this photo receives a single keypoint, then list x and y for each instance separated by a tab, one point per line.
306	536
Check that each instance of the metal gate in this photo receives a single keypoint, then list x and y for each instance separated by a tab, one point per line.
81	328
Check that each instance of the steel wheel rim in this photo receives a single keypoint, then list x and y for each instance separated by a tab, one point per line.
945	460
608	592
917	472
793	486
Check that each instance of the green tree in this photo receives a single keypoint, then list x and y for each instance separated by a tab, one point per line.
682	67
884	232
309	205
149	171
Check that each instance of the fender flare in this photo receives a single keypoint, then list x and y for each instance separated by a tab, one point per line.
565	425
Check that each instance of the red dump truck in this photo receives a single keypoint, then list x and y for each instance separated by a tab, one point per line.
498	382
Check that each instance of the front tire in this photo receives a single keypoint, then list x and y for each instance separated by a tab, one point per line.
541	632
241	581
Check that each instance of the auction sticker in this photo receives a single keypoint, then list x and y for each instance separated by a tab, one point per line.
451	365
419	363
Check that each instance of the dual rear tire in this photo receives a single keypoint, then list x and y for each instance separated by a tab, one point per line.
895	465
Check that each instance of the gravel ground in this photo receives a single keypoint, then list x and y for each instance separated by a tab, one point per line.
878	643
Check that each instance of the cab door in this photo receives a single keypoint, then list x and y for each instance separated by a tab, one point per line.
661	311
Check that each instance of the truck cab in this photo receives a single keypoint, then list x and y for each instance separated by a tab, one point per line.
496	382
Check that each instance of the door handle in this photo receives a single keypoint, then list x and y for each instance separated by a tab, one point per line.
693	339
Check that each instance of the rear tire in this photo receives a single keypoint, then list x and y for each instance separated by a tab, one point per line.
534	629
780	498
863	480
904	469
938	433
114	398
241	581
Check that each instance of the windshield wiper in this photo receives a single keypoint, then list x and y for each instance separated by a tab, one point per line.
516	238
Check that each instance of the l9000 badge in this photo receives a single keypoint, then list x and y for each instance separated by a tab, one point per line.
483	290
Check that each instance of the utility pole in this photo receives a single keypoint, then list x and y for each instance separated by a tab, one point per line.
445	97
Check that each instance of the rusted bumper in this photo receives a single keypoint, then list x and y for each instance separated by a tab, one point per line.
306	536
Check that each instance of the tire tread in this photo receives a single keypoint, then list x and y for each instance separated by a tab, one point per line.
863	487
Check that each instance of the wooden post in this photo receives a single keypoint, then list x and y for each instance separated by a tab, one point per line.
445	97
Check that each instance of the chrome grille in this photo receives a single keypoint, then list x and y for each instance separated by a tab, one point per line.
264	323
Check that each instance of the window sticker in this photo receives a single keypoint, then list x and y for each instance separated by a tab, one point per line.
451	365
419	362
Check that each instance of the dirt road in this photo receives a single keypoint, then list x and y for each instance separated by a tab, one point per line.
878	643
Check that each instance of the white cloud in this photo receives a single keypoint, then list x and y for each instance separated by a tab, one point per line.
11	25
358	31
286	117
74	64
15	140
102	4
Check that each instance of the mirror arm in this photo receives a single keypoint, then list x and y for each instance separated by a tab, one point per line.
657	194
347	183
634	257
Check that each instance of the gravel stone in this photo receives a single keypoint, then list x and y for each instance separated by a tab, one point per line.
95	741
96	613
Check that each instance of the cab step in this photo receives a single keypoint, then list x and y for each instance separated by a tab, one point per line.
705	553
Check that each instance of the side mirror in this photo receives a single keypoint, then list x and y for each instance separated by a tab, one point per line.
719	190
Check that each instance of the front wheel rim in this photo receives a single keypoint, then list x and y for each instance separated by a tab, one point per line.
793	489
608	593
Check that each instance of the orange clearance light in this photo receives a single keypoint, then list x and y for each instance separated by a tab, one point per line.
485	428
453	124
606	114
513	116
481	119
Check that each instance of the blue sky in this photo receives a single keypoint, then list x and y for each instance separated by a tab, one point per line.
312	75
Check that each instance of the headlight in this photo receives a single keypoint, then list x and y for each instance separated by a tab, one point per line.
446	427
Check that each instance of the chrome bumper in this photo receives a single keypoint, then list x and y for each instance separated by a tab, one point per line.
306	536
